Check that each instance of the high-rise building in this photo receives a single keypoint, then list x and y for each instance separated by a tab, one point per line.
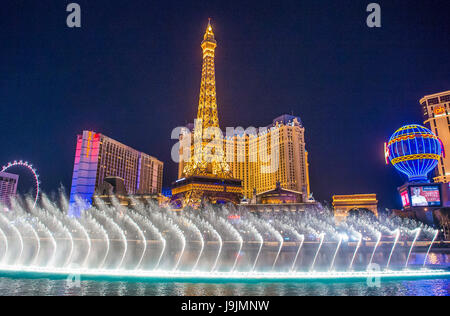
436	111
98	157
277	154
8	187
260	158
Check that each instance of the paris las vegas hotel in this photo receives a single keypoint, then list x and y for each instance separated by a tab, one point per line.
249	154
244	160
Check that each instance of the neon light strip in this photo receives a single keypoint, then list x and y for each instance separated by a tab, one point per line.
415	156
88	148
411	136
418	164
411	172
407	161
231	276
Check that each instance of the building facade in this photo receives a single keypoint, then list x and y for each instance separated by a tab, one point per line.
261	158
113	192
8	187
436	112
275	155
98	157
343	204
278	195
280	200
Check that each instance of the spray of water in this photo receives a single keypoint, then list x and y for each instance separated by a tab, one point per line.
141	236
356	251
201	239
397	237
151	228
19	238
322	238
375	249
336	252
417	231
38	243
104	238
101	228
237	236
183	243
429	248
87	239
5	239
259	239
106	219
219	239
302	240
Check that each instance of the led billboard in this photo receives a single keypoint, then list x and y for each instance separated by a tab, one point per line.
425	195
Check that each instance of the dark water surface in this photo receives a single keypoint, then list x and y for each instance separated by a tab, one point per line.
435	287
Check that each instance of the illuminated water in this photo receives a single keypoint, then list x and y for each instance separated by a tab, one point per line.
231	249
17	287
59	287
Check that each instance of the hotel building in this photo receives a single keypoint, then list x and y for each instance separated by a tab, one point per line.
98	157
251	158
258	159
8	187
436	111
275	154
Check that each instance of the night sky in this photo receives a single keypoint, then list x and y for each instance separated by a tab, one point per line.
132	72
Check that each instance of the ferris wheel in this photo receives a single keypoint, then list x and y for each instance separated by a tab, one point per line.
27	166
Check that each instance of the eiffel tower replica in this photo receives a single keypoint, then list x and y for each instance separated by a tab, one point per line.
207	176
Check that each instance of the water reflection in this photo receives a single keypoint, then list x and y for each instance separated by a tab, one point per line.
436	287
20	287
435	259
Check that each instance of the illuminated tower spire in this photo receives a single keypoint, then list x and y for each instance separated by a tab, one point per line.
207	105
208	158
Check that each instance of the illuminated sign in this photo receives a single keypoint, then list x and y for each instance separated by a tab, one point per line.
386	153
88	147
428	195
439	110
405	198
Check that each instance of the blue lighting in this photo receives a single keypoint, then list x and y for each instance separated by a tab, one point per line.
414	150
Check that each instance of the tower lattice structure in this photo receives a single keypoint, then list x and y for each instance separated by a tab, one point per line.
207	157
